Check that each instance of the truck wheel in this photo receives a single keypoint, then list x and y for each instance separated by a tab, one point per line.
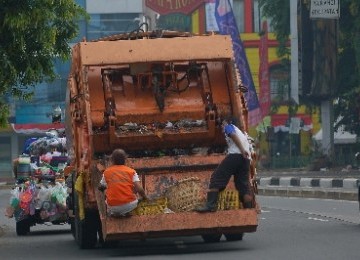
211	238
234	237
85	231
22	227
86	235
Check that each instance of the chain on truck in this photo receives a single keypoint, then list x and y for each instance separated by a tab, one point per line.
160	97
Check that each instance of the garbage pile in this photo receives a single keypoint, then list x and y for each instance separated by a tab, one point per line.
46	203
43	159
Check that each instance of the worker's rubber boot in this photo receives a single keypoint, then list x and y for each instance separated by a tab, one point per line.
211	203
248	202
248	205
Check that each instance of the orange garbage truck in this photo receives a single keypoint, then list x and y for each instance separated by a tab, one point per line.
160	96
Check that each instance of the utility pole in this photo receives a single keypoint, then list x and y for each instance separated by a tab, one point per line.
325	15
293	94
294	38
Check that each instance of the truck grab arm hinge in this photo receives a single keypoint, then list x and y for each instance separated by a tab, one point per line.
112	126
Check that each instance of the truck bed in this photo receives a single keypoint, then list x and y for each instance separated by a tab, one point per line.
156	177
179	224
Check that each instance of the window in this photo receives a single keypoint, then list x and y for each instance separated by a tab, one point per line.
101	25
279	83
56	90
258	17
238	10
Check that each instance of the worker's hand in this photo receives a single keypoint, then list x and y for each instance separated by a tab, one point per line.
245	154
145	198
100	167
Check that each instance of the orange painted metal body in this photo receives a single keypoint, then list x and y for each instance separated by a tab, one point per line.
161	100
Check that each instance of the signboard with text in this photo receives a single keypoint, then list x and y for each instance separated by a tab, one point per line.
174	6
176	22
326	9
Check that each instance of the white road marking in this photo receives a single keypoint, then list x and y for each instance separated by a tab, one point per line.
318	219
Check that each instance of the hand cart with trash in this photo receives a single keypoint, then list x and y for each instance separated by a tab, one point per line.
40	191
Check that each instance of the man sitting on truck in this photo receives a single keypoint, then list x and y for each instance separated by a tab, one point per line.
121	183
236	163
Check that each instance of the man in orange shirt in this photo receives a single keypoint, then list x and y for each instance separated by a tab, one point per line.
121	183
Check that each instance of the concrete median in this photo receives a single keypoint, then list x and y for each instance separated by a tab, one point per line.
324	188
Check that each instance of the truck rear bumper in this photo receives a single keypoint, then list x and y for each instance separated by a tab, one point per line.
180	224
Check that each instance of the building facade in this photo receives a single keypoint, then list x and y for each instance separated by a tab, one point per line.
109	17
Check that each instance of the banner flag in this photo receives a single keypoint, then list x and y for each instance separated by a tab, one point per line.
227	26
264	95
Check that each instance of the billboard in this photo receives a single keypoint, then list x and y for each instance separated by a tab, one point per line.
174	6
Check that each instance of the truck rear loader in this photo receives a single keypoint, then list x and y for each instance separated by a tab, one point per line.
160	96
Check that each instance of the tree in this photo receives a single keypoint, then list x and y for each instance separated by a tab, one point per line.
347	94
279	13
347	104
33	33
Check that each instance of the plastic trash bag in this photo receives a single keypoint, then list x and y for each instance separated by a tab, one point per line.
14	198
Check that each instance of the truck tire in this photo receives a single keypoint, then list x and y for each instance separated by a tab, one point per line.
86	234
22	227
85	230
211	238
234	237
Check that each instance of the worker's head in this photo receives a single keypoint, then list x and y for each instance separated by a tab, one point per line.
118	157
231	119
228	119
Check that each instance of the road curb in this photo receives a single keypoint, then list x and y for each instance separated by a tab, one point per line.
6	186
309	193
345	183
324	188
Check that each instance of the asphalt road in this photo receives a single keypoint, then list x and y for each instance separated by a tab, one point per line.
289	228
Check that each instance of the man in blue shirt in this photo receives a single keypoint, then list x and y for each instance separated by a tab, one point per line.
236	163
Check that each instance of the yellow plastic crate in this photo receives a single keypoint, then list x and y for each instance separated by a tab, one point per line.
152	207
228	199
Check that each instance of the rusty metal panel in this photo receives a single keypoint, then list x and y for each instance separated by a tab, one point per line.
179	224
156	50
174	161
